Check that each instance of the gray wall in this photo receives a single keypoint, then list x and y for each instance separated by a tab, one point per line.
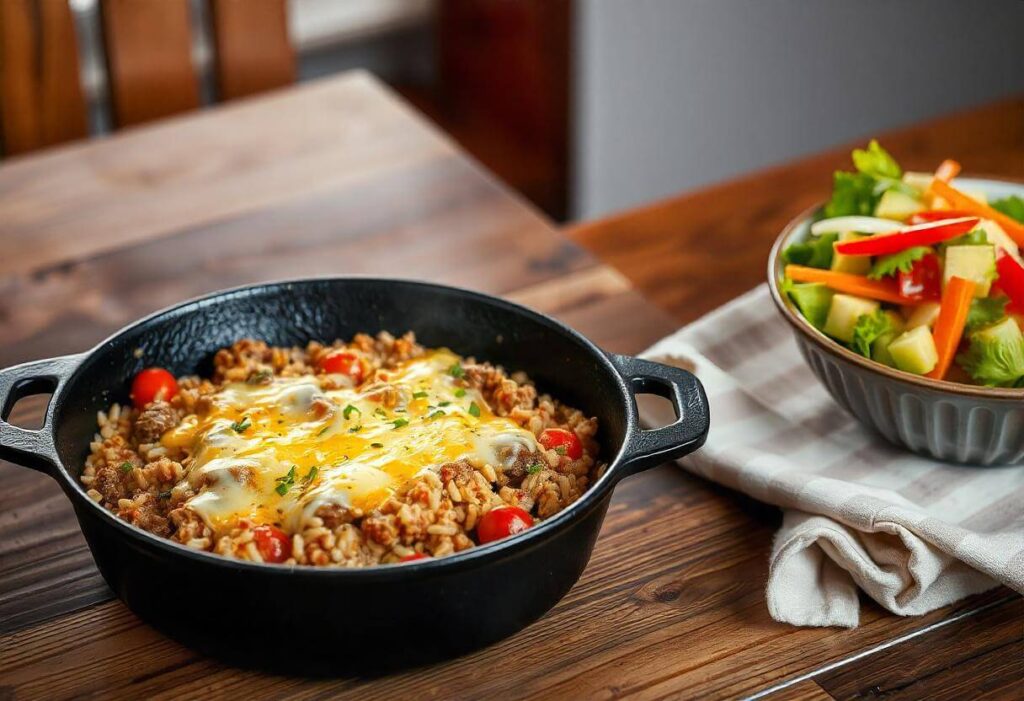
675	94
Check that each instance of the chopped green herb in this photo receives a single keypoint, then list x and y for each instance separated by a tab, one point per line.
311	475
285	483
127	467
260	377
561	449
241	426
419	395
534	468
456	371
380	412
356	429
445	403
347	411
398	423
460	392
323	430
165	495
474	410
436	414
376	445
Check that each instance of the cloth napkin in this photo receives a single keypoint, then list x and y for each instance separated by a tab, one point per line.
914	534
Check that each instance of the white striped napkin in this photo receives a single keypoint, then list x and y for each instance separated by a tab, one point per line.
913	533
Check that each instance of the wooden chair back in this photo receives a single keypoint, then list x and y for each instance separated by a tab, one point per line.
148	51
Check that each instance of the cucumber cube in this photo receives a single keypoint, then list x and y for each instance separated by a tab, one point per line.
914	351
922	315
897	205
856	265
843	314
976	263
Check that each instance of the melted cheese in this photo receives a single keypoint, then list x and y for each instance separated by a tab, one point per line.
256	447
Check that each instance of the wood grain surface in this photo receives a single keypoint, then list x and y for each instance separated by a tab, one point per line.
340	177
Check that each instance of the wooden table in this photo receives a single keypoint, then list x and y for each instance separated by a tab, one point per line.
339	177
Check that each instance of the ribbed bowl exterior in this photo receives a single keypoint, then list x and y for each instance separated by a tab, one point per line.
939	424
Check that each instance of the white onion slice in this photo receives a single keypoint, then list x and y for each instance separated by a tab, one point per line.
861	225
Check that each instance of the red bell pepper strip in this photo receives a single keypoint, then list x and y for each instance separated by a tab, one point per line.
1011	280
924	281
907	237
937	215
959	200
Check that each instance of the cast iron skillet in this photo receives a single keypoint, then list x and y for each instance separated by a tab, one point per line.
348	621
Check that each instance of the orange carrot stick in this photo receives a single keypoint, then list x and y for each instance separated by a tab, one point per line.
947	170
949	326
958	200
885	290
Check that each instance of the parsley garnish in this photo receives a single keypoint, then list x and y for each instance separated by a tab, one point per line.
419	395
260	377
456	371
323	430
241	426
376	445
399	423
443	403
311	475
356	429
127	467
460	392
380	412
474	410
534	468
347	411
436	414
285	483
560	449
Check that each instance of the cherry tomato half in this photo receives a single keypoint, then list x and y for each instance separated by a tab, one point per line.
414	557
273	543
560	438
152	382
344	363
502	522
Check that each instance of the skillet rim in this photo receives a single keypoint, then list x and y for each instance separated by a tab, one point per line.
507	546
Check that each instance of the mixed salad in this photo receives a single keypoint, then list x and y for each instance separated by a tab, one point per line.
912	272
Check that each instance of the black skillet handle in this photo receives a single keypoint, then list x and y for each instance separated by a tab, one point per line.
32	448
648	448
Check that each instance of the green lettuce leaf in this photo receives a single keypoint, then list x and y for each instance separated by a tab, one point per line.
1012	206
897	262
876	162
812	299
816	252
858	193
996	355
869	327
974	237
985	311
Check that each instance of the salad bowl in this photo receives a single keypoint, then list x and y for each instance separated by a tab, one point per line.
949	421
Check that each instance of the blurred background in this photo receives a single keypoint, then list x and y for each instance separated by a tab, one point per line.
583	106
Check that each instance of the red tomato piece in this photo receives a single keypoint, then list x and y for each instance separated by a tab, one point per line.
149	384
501	523
1011	280
926	234
273	543
924	281
560	438
414	557
344	363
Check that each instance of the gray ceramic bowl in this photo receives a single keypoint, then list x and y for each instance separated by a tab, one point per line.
945	420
